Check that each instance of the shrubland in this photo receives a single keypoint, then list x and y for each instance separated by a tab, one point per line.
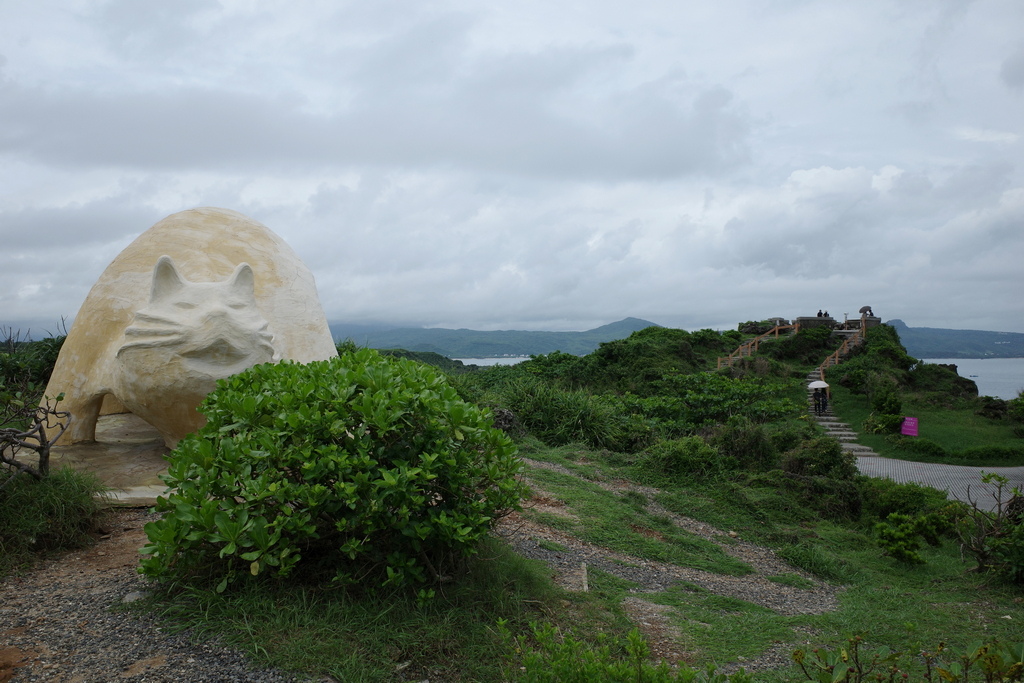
41	512
335	519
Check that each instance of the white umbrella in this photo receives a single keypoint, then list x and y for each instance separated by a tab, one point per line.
818	384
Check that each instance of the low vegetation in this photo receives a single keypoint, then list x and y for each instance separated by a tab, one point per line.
333	518
880	384
368	469
41	511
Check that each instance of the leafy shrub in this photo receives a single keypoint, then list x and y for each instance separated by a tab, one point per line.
881	423
747	443
1008	553
887	402
820	475
995	537
899	535
787	437
994	661
809	345
880	362
634	364
25	366
990	453
369	466
883	497
686	458
56	512
708	398
991	407
821	457
1015	409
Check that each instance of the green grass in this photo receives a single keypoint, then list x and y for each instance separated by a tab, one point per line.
38	517
613	520
355	635
954	426
361	635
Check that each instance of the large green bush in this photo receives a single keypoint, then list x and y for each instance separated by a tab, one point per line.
368	466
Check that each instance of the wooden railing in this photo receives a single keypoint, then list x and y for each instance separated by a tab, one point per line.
749	347
847	346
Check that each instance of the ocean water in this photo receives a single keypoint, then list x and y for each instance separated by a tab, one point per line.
999	377
501	360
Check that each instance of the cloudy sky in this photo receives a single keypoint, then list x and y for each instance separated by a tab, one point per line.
528	164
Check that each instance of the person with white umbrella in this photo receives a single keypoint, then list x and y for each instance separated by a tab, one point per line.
820	397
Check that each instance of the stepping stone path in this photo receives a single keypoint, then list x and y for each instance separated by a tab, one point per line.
958	481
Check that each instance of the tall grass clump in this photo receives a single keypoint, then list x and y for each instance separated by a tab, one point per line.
561	416
57	512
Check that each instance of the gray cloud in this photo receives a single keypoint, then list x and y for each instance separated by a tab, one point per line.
1012	69
509	165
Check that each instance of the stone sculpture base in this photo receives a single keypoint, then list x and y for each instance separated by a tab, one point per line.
127	456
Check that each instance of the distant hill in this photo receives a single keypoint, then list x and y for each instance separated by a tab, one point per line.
934	342
478	344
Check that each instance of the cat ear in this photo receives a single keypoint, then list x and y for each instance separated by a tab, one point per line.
166	280
243	280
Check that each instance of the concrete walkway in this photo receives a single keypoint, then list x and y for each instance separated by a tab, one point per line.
960	482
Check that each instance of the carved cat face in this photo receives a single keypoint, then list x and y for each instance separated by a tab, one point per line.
213	329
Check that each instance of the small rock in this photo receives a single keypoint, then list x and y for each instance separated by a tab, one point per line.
135	595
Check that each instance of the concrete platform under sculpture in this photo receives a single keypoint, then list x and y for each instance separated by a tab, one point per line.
128	456
200	296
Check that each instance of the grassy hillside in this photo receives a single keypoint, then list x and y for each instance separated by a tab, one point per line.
675	513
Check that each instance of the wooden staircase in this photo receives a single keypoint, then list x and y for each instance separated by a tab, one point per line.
749	347
854	338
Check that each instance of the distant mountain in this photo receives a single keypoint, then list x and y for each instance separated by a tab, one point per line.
478	344
935	342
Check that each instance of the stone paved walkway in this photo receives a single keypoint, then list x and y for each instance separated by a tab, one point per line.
959	481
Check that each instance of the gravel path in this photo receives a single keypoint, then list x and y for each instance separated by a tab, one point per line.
56	623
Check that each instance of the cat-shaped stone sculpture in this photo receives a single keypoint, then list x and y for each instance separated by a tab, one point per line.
163	323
